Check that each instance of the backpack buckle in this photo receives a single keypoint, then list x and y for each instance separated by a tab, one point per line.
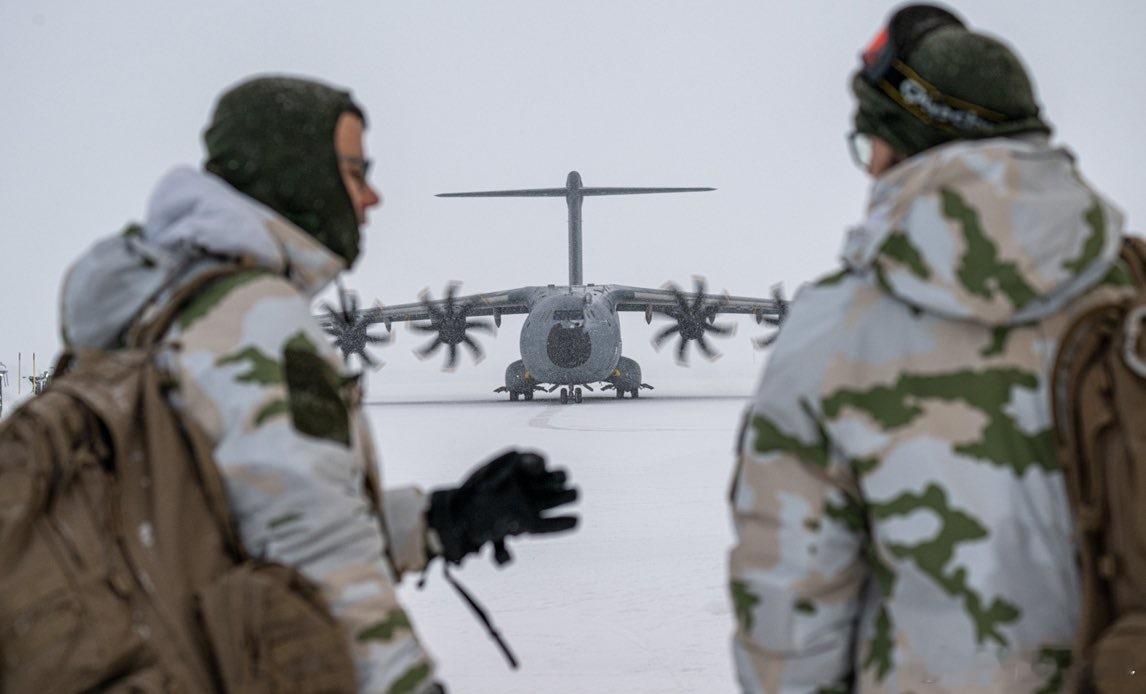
1132	330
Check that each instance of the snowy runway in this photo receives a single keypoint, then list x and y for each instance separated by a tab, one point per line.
634	600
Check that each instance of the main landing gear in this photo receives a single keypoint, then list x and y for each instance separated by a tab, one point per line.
626	378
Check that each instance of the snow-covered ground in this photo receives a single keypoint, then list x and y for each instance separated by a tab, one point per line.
634	600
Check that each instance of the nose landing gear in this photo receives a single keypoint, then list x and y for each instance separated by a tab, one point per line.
575	395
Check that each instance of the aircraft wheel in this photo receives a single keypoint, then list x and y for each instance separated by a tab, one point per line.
529	394
564	396
620	394
513	395
577	395
636	392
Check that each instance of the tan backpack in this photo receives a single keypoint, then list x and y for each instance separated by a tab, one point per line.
1099	400
120	569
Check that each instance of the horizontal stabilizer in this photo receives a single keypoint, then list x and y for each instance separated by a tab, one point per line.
562	192
534	193
639	191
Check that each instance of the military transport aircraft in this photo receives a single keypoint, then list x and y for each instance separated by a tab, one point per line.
571	338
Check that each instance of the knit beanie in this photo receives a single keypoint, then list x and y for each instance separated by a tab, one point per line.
927	79
272	138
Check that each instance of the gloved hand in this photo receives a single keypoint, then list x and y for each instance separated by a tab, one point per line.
506	496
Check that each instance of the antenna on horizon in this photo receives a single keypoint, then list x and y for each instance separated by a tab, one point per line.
574	194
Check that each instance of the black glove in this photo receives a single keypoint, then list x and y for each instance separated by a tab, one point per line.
506	496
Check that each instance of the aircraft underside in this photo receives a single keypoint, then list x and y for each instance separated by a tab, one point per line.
624	379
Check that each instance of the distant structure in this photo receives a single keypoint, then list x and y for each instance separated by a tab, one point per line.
39	382
3	384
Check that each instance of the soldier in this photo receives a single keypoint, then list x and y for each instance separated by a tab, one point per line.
901	521
284	193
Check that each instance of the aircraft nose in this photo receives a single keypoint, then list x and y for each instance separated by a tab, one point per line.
568	347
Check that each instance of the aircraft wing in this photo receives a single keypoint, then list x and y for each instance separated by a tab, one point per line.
667	302
494	304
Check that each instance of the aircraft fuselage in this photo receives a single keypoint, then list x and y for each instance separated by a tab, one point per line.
571	336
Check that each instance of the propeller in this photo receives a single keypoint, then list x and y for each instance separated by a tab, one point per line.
775	321
451	323
694	319
350	329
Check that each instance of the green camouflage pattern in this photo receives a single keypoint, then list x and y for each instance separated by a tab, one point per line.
902	524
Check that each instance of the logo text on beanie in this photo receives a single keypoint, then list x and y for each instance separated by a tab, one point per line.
917	96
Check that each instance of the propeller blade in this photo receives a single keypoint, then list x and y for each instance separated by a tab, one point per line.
483	326
377	339
681	299
436	314
369	360
708	351
712	310
766	341
474	348
664	334
781	302
682	353
722	329
698	300
430	328
429	348
452	359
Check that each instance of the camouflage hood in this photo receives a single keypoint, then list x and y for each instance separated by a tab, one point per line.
1000	231
194	220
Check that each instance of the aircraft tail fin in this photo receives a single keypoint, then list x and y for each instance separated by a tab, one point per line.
574	194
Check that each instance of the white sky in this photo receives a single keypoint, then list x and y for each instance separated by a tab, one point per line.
100	99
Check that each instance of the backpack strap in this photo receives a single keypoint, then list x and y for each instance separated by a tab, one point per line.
200	452
145	334
1133	255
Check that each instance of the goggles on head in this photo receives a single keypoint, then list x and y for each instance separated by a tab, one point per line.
884	68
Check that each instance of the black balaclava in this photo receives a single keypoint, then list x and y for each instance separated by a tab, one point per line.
272	138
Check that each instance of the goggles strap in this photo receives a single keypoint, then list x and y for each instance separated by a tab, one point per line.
932	106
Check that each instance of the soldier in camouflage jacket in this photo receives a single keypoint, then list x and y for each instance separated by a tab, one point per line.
902	524
284	194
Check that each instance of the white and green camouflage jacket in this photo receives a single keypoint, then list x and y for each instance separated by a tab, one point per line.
901	521
256	371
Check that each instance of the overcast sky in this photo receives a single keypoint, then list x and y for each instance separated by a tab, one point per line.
99	99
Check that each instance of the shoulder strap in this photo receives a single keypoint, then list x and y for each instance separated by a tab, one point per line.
149	328
166	425
1133	254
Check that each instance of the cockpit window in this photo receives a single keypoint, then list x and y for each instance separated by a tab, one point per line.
569	314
